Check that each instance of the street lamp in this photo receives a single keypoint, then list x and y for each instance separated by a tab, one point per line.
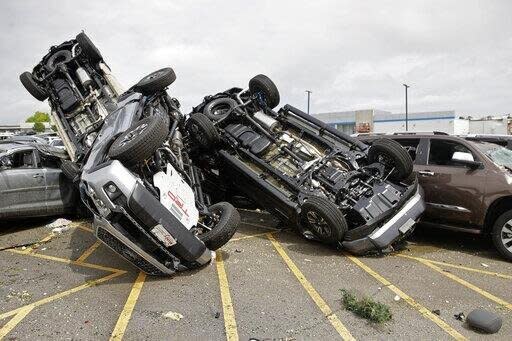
309	94
406	108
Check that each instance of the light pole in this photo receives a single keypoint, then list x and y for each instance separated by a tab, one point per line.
406	108
309	94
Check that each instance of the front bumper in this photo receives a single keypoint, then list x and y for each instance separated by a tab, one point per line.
399	225
128	220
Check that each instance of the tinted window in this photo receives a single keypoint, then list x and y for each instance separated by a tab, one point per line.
441	152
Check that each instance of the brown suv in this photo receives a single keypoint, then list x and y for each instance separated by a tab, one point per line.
467	184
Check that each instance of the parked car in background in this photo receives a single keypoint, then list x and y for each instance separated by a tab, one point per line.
31	182
467	184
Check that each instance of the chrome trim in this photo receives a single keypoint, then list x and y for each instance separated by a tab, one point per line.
449	207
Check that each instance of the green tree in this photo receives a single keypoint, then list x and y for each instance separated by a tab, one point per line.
39	127
38	116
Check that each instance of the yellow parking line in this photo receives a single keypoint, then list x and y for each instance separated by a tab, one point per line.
85	228
421	309
88	252
326	310
260	226
126	314
227	304
252	236
467	284
491	273
63	294
6	329
68	261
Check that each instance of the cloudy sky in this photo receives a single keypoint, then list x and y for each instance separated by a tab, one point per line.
456	55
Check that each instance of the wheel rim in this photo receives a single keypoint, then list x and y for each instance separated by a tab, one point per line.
220	109
506	235
133	134
318	224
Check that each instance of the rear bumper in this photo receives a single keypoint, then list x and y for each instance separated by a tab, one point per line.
132	216
398	226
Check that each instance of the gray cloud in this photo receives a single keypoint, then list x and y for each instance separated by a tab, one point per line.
351	54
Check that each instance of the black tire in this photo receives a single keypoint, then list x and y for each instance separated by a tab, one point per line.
264	85
156	81
202	130
58	58
319	210
70	169
32	87
140	141
392	155
221	233
219	108
501	233
88	47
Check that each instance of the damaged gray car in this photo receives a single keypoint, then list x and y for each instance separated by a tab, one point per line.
32	183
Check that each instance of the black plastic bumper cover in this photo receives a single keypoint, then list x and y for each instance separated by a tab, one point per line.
151	212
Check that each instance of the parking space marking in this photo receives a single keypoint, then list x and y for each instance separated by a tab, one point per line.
326	310
421	309
490	273
252	236
6	329
80	226
68	261
63	294
467	284
88	252
227	304
260	226
124	318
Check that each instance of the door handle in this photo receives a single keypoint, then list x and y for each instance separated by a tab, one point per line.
426	173
37	175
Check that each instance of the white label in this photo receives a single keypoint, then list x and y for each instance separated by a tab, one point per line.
165	237
177	196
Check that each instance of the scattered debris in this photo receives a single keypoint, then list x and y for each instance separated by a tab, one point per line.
61	229
16	246
397	298
173	316
307	260
21	295
437	312
485	265
217	315
238	250
460	317
367	308
484	320
58	223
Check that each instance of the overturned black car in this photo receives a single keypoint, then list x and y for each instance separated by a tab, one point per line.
332	187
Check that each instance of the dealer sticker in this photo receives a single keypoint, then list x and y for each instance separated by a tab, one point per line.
165	237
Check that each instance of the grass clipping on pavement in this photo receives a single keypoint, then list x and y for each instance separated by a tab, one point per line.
366	307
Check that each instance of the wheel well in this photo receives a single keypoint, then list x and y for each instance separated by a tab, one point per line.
497	208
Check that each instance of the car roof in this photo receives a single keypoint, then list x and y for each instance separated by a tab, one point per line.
6	146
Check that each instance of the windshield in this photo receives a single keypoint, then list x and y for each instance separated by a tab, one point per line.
498	154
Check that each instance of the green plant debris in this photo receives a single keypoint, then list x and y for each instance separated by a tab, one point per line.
366	307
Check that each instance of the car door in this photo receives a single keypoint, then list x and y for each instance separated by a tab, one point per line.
453	192
60	194
22	186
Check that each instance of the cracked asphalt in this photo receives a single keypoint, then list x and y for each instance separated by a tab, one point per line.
265	284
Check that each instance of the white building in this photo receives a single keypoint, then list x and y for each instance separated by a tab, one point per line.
379	121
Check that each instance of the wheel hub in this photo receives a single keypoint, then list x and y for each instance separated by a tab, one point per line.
318	223
133	134
506	235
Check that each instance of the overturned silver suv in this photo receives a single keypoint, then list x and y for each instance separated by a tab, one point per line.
129	162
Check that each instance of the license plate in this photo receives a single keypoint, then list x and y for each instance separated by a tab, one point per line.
407	226
165	237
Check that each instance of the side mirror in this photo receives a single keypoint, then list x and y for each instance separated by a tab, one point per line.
466	160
